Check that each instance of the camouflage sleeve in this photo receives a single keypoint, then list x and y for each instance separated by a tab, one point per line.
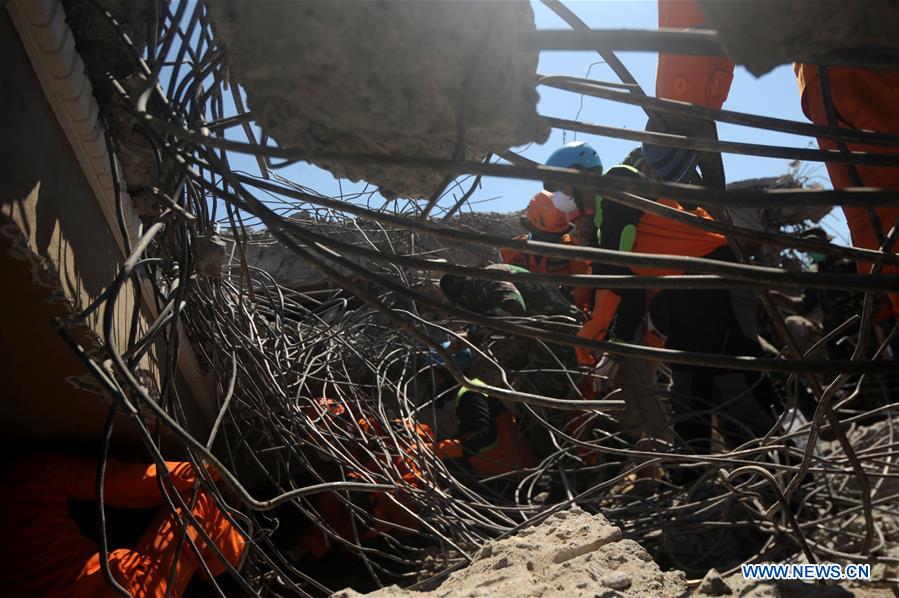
504	299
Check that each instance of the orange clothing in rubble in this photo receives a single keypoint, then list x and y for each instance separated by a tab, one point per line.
658	234
44	553
511	451
489	435
551	265
389	517
863	99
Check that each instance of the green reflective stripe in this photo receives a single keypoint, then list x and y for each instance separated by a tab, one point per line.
463	389
629	234
628	237
626	167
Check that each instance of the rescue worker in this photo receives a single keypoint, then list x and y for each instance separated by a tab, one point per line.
862	99
45	553
546	222
488	440
714	321
580	156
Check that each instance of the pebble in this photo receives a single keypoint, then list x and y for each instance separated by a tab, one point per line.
617	581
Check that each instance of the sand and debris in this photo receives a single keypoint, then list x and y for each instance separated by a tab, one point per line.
572	553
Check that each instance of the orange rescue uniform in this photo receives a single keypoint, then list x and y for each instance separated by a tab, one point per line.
45	554
623	228
862	98
552	265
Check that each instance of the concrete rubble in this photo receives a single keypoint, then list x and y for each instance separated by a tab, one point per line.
572	553
353	88
266	253
763	35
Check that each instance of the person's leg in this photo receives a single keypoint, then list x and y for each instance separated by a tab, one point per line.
645	415
690	396
718	322
144	570
691	321
864	100
748	399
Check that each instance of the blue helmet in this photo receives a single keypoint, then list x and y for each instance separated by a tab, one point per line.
576	154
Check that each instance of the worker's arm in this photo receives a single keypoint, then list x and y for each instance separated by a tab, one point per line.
477	430
582	295
597	327
701	80
616	230
127	485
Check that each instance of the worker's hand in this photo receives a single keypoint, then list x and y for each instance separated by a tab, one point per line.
605	374
594	329
449	448
585	357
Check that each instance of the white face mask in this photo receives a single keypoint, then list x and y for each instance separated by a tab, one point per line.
564	202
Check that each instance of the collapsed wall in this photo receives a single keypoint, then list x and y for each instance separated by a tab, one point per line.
408	78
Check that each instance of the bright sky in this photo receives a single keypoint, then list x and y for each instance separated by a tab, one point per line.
775	94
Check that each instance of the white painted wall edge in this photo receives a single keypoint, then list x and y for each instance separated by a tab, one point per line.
50	46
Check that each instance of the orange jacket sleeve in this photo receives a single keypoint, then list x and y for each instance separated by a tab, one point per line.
513	257
582	295
699	80
127	485
597	327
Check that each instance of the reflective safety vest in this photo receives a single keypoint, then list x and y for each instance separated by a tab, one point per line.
510	451
643	232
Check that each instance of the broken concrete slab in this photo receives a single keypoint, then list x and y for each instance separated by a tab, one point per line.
762	35
386	78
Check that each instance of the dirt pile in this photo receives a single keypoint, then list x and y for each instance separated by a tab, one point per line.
572	553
